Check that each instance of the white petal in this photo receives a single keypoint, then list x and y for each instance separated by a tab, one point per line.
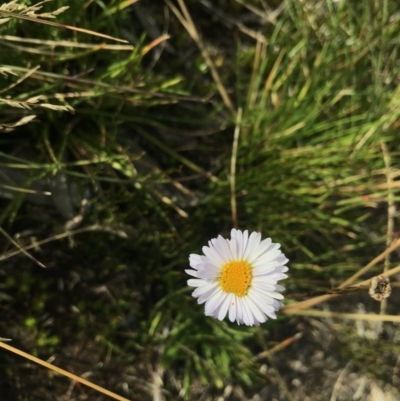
224	307
232	307
239	244
267	257
263	282
205	260
262	247
276	277
225	249
282	259
277	268
204	288
248	318
271	294
213	255
263	269
257	314
280	269
254	242
214	302
208	272
239	310
263	296
277	305
195	282
244	244
218	245
264	303
191	272
194	260
216	311
205	296
233	244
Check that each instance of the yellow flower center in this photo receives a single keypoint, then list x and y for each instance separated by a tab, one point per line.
236	277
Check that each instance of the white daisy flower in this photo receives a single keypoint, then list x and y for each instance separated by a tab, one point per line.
239	277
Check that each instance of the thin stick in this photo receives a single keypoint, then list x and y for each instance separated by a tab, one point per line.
380	257
67	234
233	167
186	20
391	213
308	303
62	372
21	248
267	353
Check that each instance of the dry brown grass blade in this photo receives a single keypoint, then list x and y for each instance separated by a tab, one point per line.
21	79
232	177
24	190
391	212
5	71
33	102
308	303
274	69
281	382
58	25
154	43
7	127
279	347
65	43
186	20
373	262
67	234
21	249
352	316
62	372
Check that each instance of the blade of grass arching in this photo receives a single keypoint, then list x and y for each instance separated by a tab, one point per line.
25	190
124	4
59	25
175	155
252	92
265	91
77	56
272	74
186	20
15	243
62	372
